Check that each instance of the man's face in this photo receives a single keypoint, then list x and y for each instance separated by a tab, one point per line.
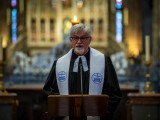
80	43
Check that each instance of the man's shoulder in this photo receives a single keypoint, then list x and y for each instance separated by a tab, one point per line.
96	52
107	57
65	58
65	55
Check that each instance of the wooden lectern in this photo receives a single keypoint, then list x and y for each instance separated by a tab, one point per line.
77	105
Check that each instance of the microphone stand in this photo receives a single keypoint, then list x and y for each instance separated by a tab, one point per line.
81	78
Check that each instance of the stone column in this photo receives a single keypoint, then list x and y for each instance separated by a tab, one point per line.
156	29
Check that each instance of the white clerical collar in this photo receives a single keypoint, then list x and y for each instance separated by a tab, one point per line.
84	64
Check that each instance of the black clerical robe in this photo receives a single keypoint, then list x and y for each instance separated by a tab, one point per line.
110	86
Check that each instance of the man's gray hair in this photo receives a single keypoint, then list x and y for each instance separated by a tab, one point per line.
80	28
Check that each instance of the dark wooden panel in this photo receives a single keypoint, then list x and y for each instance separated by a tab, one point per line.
8	106
143	106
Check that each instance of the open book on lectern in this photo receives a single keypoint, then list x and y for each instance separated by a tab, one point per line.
77	105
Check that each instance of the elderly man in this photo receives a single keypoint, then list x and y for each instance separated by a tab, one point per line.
98	74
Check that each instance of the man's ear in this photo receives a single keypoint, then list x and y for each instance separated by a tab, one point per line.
70	40
90	39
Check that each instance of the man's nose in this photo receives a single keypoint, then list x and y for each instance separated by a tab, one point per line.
79	40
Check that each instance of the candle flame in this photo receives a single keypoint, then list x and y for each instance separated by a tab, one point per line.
75	18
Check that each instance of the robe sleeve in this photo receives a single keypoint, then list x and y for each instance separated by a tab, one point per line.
50	86
111	86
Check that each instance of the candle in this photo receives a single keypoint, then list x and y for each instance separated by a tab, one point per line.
147	46
75	20
1	49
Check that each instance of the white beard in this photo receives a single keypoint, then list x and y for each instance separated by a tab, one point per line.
79	50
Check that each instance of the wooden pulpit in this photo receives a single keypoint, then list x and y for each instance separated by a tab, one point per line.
77	105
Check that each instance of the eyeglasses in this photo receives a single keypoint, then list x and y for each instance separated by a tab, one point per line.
82	39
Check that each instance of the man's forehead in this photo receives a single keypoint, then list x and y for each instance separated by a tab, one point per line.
79	33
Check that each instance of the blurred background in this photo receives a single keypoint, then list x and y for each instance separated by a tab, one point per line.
33	33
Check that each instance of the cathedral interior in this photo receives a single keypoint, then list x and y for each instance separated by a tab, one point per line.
34	33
